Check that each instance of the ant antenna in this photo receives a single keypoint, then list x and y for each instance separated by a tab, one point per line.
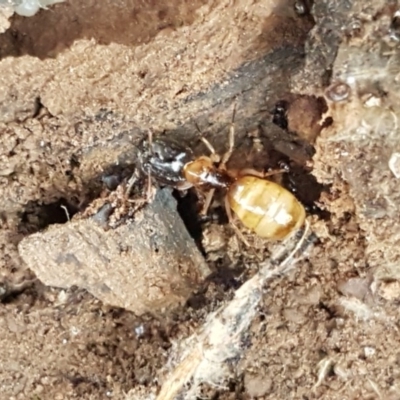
198	129
150	138
231	140
234	112
209	146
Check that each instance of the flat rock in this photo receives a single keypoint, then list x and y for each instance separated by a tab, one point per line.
147	264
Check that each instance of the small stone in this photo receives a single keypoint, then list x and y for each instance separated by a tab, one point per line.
339	91
394	164
389	290
257	386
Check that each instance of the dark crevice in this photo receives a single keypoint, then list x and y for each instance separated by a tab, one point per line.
188	210
306	188
38	216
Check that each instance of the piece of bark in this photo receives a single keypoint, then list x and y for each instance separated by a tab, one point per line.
147	264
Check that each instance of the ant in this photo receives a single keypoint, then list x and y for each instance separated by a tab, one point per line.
262	206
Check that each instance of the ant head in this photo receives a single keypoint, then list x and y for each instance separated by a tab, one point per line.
203	173
197	171
164	159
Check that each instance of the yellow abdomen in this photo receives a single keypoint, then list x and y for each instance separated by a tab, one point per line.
265	207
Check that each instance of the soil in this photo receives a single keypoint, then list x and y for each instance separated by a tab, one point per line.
316	90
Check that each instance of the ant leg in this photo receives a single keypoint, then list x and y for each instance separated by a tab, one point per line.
235	228
132	180
207	203
149	190
274	172
299	244
259	174
227	155
258	146
231	141
208	145
150	139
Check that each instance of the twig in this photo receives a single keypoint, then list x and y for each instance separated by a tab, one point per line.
204	356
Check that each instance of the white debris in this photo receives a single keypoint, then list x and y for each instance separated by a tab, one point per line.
394	164
27	8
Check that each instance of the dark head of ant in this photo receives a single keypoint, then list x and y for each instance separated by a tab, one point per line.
172	163
164	159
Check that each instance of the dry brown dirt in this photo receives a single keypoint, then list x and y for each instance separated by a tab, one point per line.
315	86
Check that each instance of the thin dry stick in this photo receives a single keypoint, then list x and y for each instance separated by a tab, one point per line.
220	338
